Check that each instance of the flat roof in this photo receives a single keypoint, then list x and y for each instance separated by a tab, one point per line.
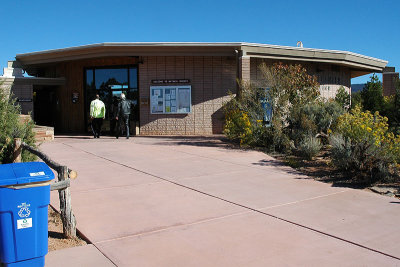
256	50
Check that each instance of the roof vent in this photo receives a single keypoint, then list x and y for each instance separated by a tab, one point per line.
300	44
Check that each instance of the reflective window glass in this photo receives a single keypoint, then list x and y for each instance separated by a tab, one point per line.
89	78
106	78
132	77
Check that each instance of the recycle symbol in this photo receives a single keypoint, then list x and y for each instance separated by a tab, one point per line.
24	210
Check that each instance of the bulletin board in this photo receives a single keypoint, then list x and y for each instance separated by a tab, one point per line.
170	99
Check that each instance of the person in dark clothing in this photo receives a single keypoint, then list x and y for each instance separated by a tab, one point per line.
124	111
114	115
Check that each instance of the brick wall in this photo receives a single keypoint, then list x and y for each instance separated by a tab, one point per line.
245	68
389	83
211	79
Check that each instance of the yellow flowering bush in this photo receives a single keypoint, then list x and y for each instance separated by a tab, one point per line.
238	126
360	126
365	146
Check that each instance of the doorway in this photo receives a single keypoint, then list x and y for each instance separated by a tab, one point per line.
109	82
44	105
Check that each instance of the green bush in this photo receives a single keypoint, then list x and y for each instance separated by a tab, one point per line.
341	152
309	147
315	118
271	138
11	127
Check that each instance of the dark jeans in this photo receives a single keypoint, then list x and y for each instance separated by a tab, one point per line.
96	126
123	125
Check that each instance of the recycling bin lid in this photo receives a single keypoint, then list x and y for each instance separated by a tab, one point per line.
24	173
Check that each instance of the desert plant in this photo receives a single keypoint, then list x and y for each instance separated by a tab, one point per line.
237	126
365	147
316	118
309	147
340	151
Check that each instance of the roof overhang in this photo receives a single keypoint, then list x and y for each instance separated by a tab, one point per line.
128	49
32	81
358	63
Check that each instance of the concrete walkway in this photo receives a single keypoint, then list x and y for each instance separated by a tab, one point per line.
195	202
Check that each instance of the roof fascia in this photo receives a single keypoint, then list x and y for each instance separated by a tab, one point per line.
314	55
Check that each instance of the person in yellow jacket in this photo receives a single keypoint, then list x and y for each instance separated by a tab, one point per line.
97	114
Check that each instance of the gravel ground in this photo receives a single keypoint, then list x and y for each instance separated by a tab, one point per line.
56	238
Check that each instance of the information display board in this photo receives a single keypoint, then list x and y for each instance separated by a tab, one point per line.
170	99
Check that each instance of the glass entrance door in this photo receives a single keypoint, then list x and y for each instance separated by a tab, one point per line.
109	83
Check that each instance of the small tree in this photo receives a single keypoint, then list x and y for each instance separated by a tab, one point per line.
372	95
343	98
11	127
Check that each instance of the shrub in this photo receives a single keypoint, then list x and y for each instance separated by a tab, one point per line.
238	127
317	118
11	127
340	152
365	147
309	147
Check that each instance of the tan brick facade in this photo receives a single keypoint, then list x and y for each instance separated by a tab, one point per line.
245	69
211	78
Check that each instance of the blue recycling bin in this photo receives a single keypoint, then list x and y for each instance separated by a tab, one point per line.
24	200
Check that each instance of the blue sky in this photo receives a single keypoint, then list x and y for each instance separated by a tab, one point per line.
367	27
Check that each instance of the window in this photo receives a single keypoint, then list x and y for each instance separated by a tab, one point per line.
266	104
107	78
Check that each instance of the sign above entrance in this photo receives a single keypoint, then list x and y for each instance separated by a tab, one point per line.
167	81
